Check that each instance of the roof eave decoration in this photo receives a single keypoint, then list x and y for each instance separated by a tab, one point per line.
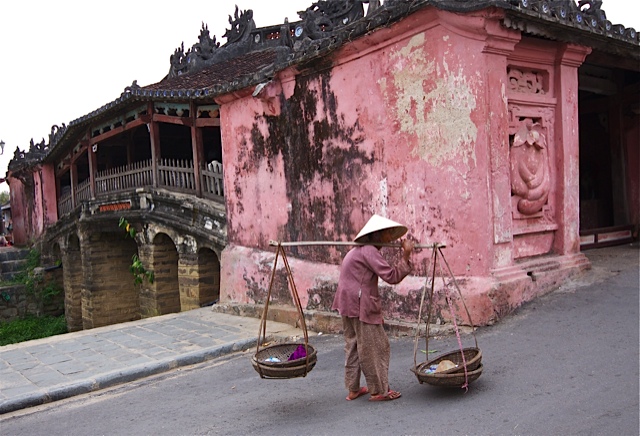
28	159
588	22
208	52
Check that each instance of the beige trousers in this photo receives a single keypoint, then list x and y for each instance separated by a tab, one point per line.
368	352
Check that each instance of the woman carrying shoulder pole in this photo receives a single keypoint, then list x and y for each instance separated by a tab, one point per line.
357	300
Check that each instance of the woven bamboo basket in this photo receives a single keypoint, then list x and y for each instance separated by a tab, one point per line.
472	357
283	367
468	361
455	380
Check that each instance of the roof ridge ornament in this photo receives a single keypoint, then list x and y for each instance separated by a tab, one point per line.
179	61
206	45
208	51
241	26
324	18
57	132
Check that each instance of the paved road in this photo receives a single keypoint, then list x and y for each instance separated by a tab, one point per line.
564	364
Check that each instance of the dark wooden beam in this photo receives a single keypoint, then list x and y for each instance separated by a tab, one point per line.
208	122
111	133
172	120
132	125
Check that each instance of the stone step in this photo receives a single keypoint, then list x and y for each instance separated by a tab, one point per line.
12	262
10	266
8	276
10	253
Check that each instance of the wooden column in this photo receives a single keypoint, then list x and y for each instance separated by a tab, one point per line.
93	167
618	155
73	173
154	136
197	149
129	152
58	187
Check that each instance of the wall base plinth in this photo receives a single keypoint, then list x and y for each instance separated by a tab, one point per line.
487	298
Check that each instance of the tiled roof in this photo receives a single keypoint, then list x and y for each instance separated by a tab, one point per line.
219	73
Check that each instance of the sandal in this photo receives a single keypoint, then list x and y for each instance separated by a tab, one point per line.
391	395
362	391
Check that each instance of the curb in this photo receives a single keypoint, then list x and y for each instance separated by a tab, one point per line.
114	378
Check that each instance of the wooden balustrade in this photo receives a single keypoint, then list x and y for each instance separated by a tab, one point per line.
212	181
176	174
124	178
65	205
83	191
173	174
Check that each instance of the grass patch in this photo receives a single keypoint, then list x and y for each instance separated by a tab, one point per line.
31	327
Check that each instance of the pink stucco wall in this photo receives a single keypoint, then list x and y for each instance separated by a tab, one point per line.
309	174
33	205
49	197
411	122
19	212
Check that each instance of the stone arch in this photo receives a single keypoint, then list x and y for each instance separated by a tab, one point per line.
72	283
109	294
208	277
164	264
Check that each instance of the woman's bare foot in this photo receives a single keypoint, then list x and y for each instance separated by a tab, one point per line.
356	394
391	395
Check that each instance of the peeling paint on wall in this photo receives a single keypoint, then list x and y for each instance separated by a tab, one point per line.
433	103
383	196
316	154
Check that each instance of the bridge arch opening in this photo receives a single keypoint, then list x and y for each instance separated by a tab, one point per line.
165	268
208	277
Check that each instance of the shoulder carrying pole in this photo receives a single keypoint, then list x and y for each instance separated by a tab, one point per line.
348	243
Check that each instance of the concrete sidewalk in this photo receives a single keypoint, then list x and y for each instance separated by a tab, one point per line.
51	369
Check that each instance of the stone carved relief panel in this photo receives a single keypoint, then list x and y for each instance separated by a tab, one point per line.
529	167
528	81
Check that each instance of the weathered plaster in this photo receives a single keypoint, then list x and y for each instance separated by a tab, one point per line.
433	103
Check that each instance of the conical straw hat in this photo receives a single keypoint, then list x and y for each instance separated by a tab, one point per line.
377	223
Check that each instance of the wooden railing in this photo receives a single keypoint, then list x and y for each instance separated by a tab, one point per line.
65	205
176	174
212	181
173	174
124	178
83	191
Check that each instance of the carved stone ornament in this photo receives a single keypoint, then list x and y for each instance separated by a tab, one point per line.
529	161
594	9
26	159
324	17
241	26
179	61
206	45
56	133
526	81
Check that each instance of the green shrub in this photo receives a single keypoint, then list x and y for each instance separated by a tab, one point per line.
31	327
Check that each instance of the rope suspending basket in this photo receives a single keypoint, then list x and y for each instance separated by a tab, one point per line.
286	360
456	368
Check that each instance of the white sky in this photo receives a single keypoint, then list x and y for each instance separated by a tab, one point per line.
66	58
